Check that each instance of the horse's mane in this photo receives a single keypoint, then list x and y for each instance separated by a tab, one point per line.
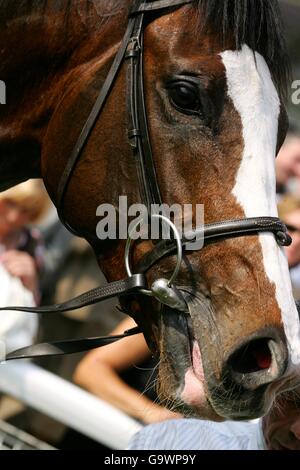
254	22
10	9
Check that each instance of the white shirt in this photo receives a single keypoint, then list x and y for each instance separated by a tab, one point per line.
17	329
196	434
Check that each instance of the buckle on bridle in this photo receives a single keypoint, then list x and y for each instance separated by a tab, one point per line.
133	136
133	48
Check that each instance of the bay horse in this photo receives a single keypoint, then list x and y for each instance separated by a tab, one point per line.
214	75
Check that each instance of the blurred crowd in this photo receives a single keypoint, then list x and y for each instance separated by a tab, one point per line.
288	194
41	263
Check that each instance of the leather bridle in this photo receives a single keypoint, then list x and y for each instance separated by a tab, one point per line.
131	50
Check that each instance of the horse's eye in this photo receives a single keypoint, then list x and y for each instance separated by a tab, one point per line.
184	96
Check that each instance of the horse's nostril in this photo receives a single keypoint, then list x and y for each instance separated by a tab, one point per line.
252	357
257	363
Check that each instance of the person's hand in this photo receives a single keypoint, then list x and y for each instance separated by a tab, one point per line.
288	160
156	414
281	426
21	265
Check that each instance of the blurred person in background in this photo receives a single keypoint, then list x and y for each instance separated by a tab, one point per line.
288	165
21	246
70	268
281	426
278	430
289	212
53	266
124	375
21	260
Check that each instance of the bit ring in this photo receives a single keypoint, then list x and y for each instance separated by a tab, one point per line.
179	250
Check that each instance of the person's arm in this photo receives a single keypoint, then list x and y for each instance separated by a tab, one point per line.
99	370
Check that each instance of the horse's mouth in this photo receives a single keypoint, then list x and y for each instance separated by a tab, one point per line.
182	356
195	392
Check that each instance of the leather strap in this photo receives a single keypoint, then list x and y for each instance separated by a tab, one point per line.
139	134
59	348
90	124
157	5
213	233
154	196
114	289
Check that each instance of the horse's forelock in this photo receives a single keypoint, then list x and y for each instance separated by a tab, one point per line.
256	23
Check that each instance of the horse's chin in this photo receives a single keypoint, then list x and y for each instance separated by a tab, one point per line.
195	398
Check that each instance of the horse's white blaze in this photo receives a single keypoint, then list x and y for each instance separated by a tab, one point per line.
254	96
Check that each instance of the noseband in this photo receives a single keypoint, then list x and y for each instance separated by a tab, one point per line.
165	291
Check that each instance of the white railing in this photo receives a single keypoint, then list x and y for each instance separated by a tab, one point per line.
67	403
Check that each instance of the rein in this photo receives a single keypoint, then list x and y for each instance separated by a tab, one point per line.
164	291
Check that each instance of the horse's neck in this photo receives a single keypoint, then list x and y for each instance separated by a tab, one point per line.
46	51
